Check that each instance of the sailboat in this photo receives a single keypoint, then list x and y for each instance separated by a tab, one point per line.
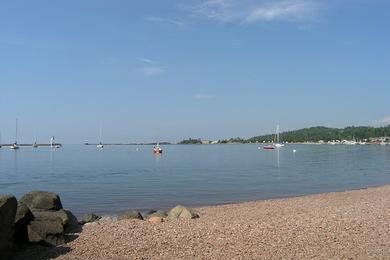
157	149
35	145
15	145
100	144
278	144
53	144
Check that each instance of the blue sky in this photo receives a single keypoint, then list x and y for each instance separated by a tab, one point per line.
168	70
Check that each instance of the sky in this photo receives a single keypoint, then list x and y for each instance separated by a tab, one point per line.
211	69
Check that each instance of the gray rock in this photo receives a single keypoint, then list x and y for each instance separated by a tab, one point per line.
73	225
8	205
41	200
89	218
49	233
146	213
51	215
23	217
159	213
182	212
131	215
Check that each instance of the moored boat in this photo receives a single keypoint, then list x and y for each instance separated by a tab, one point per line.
157	149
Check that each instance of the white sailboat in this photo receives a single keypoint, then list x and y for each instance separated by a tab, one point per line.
15	145
35	145
278	144
100	144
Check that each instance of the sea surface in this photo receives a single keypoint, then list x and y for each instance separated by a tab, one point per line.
120	178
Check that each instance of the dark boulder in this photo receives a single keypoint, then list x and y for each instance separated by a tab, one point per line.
181	212
50	233
51	215
8	205
23	217
131	215
89	218
146	213
73	225
41	200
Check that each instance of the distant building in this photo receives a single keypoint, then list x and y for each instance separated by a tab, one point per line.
205	141
378	139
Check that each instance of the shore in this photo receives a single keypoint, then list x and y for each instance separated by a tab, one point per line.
351	224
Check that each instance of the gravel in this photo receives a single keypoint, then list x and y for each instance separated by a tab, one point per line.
351	224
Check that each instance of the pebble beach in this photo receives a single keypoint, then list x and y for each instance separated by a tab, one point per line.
341	225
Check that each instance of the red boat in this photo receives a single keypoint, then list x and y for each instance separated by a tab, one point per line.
269	147
157	149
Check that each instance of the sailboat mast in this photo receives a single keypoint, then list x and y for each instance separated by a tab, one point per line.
16	132
100	134
277	134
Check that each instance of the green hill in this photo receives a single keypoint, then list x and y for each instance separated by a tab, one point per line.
315	134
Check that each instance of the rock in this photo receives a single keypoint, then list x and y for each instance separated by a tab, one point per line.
182	212
8	205
131	215
147	213
88	218
155	219
73	225
22	218
107	219
46	232
41	200
50	215
159	213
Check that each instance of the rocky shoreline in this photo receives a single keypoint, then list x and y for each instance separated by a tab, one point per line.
39	218
352	224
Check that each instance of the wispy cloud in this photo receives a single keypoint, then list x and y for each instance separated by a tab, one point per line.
383	121
203	96
283	11
252	11
176	22
148	61
150	68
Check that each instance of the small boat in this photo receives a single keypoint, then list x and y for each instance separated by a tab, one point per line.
269	147
53	143
35	145
278	144
157	149
100	144
14	146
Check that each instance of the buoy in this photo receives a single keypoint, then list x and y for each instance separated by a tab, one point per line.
294	151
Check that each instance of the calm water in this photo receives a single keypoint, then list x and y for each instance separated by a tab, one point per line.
119	178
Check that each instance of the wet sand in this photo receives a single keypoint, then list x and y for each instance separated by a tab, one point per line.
351	224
